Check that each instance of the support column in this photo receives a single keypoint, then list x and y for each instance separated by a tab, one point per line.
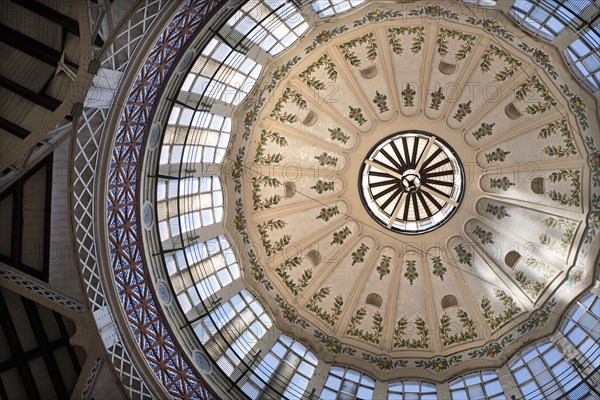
87	378
443	390
509	385
318	379
380	391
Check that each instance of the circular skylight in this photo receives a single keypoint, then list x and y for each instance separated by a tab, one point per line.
412	182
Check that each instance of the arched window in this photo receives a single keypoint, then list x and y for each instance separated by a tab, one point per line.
330	8
581	326
212	265
479	385
420	390
511	258
195	137
480	3
543	18
542	372
240	323
583	57
449	301
346	383
221	73
286	369
200	203
273	25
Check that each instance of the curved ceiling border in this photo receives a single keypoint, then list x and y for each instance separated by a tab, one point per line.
151	334
542	322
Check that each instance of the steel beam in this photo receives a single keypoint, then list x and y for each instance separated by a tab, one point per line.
13	129
43	100
16	349
32	47
69	24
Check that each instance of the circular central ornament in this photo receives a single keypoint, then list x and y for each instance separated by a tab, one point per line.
411	182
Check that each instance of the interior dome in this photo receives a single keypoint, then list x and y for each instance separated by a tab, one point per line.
279	268
319	259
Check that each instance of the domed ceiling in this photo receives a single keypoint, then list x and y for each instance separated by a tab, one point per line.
389	275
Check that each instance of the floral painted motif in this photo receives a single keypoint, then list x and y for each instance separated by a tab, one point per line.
436	99
377	15
250	117
484	236
289	95
380	100
370	43
332	344
438	364
492	26
538	318
540	267
281	72
384	363
577	106
501	183
496	155
446	329
527	87
395	41
554	128
325	159
438	267
464	257
259	203
594	160
358	256
573	198
464	109
484	130
312	81
257	271
289	265
337	134
541	58
289	313
507	71
465	48
340	236
357	115
237	169
273	247
323	186
273	137
408	95
373	336
324	37
593	219
411	271
384	266
434	11
327	213
400	342
497	211
488	313
318	297
567	236
492	349
240	220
